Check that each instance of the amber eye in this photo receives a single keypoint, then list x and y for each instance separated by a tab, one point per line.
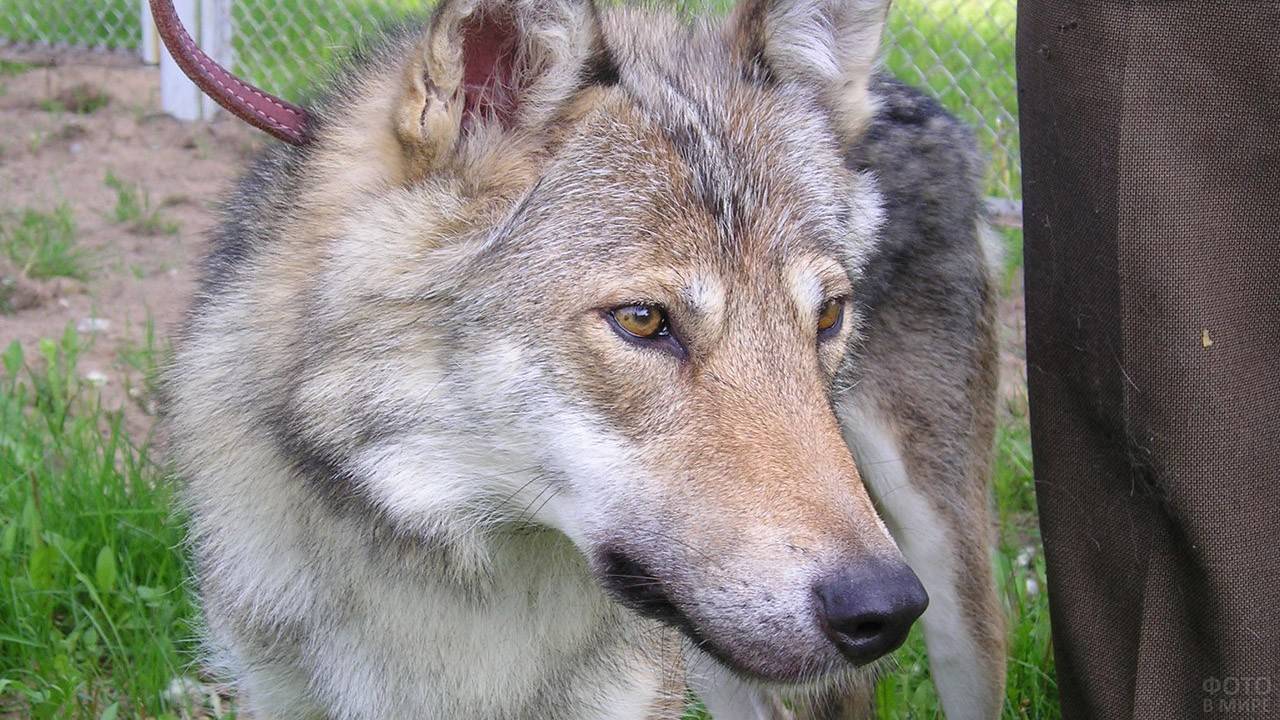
830	316
642	321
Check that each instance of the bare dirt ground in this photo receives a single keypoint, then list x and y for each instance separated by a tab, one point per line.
50	156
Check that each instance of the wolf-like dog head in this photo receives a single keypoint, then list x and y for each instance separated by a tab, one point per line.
592	271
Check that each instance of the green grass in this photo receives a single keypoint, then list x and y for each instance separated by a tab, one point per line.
133	209
43	245
1012	258
141	360
94	612
81	23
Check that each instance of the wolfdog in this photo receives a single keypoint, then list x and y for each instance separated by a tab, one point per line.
572	359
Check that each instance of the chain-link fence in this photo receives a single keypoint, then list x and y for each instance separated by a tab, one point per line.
89	24
961	50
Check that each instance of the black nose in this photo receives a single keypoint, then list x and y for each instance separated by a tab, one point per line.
867	609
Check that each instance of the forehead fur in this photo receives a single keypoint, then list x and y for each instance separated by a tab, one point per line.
695	144
761	157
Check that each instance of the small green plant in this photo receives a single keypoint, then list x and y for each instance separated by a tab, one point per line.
43	245
9	68
1012	256
129	202
7	287
145	359
36	140
133	208
81	99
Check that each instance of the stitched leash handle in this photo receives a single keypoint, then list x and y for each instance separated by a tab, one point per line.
260	109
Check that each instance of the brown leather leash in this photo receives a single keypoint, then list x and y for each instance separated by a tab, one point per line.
283	120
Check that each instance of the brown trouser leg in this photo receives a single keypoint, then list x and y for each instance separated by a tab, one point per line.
1151	151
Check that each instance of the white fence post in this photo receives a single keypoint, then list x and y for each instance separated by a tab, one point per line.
209	21
215	39
149	48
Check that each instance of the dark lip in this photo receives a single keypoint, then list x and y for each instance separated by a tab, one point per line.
630	583
634	585
656	604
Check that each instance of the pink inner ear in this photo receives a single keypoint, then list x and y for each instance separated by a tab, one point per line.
490	41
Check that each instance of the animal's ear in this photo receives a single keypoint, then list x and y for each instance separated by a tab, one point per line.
832	44
509	62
